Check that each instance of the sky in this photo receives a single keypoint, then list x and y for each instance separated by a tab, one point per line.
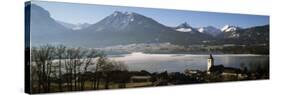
91	13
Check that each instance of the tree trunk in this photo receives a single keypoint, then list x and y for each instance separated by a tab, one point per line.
60	76
44	78
75	78
98	81
95	82
106	81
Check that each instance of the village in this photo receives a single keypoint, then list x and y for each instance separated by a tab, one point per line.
213	73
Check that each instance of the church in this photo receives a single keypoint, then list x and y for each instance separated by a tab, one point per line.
220	69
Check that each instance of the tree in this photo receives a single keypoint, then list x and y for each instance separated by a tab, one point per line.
70	66
119	74
100	62
59	64
107	68
42	57
60	54
87	61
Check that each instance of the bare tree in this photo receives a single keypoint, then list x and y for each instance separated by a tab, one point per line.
60	54
42	57
105	69
34	79
49	62
69	66
37	68
86	61
115	71
100	62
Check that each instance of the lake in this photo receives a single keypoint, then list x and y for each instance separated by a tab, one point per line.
179	62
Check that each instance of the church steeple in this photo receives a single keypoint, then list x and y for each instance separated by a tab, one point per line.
210	57
210	63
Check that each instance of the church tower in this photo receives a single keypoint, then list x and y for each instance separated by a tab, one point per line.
210	63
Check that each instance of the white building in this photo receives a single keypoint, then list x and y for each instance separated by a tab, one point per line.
210	63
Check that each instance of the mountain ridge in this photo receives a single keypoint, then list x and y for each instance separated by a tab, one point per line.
130	27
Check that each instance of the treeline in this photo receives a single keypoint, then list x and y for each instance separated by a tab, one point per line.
264	50
58	68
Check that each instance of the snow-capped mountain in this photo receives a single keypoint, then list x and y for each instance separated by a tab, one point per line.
184	27
209	30
129	28
229	28
230	31
126	22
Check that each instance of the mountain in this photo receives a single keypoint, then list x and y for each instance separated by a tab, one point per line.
230	31
229	28
123	28
130	27
43	28
117	28
126	22
257	34
78	26
209	30
250	36
65	24
184	27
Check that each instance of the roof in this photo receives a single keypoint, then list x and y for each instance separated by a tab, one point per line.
217	68
231	70
222	69
210	57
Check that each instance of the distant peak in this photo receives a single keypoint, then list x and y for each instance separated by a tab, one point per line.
115	13
128	13
227	25
228	28
184	25
209	30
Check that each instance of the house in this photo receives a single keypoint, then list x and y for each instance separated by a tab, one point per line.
192	72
